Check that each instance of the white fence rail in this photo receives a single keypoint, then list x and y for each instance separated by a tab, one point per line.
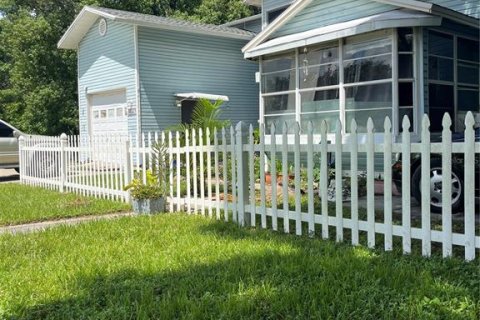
221	175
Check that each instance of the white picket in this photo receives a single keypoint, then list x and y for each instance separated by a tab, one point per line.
225	174
178	171
425	187
273	174
286	216
354	181
406	194
311	214
263	211
324	178
387	185
234	174
251	175
447	186
170	165
370	185
469	183
209	173
187	164
298	196
338	182
202	171
195	173
217	175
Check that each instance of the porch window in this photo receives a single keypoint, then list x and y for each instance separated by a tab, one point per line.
453	78
354	77
278	90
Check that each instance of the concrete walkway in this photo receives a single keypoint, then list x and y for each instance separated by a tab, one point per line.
41	226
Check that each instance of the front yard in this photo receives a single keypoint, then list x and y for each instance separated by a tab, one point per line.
179	266
24	204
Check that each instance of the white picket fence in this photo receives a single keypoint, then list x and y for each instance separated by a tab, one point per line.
231	187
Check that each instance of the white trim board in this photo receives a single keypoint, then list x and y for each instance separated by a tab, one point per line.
391	19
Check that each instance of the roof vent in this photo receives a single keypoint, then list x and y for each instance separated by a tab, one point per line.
102	27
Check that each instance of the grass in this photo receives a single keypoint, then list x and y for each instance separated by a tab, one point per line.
22	204
178	266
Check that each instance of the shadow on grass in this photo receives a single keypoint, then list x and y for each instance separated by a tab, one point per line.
288	277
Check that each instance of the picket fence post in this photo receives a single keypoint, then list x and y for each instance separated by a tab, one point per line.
63	165
127	166
242	176
22	165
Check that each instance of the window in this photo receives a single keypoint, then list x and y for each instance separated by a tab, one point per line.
453	78
406	82
278	89
5	131
319	86
343	79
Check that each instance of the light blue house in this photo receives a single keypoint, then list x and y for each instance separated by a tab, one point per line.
139	73
330	59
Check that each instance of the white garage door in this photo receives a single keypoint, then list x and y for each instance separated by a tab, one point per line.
108	113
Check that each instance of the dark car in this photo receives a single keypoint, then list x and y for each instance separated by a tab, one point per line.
458	170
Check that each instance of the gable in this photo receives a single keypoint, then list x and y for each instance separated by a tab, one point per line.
321	13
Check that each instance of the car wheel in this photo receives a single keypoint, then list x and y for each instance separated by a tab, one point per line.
436	186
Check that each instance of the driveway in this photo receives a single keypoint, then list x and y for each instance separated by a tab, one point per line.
8	175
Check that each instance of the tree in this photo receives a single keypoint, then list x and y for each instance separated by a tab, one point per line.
38	82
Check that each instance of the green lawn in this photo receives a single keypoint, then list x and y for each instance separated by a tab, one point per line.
21	204
178	266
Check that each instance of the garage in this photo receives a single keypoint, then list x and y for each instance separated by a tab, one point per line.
108	113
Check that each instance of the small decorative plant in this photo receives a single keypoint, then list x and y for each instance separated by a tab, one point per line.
149	195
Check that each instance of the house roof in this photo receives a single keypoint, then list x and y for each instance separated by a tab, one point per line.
416	5
89	15
390	19
243	20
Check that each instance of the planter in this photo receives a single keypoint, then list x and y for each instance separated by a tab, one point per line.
268	178
148	206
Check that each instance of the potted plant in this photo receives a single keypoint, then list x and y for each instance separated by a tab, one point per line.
149	196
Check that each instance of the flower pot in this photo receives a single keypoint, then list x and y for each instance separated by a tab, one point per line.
148	206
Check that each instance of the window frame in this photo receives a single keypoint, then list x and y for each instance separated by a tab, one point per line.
390	34
455	83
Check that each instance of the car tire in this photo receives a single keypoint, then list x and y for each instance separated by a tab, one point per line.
436	188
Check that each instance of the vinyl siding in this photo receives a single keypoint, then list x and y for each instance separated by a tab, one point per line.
176	62
322	13
467	7
106	63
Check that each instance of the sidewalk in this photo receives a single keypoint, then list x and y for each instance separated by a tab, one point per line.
41	226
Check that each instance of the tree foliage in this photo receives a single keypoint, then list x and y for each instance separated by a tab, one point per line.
38	82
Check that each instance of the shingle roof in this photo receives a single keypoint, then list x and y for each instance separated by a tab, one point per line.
89	15
177	23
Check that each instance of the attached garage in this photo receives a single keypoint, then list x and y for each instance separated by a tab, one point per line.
108	113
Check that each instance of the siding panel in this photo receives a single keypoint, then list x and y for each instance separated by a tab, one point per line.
173	62
321	13
105	63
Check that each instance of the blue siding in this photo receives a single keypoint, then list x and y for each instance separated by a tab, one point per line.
253	26
322	13
273	4
467	7
106	63
175	62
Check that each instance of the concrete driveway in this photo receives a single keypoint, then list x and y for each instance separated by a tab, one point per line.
8	175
